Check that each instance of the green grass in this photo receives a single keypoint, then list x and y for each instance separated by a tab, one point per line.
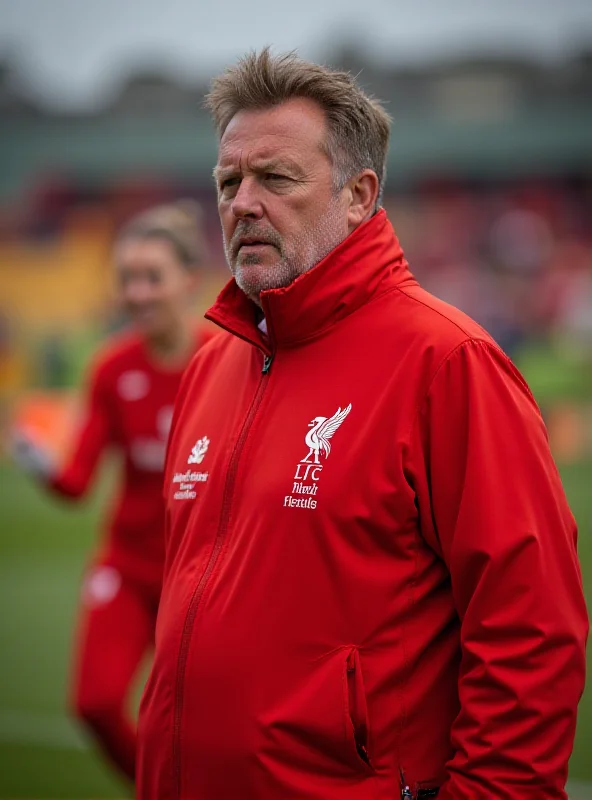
43	547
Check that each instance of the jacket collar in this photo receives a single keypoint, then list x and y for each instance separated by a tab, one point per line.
367	263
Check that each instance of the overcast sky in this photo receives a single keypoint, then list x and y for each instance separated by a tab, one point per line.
74	52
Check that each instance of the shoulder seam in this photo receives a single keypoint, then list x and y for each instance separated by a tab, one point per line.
469	340
485	336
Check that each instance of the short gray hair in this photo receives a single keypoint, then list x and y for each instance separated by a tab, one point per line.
359	126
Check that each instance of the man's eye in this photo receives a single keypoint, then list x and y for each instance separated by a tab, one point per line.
228	183
275	176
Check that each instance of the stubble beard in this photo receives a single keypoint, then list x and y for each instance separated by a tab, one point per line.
253	276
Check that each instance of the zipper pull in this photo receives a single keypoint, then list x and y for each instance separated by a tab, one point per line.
267	361
406	793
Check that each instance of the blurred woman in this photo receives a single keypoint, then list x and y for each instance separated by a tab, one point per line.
132	388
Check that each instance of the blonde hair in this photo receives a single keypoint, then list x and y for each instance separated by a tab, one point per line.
359	126
179	223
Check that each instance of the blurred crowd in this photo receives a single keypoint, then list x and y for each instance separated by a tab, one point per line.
515	256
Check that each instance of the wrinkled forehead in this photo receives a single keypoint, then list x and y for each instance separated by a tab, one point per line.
296	129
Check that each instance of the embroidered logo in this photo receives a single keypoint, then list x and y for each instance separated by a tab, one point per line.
309	468
199	451
184	484
321	431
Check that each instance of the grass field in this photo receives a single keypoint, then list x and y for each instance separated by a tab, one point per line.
43	546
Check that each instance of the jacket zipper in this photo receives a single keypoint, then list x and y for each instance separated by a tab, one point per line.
267	362
202	583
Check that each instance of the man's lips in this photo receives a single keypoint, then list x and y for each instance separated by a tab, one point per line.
253	245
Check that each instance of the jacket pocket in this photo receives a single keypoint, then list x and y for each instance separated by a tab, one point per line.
357	710
426	789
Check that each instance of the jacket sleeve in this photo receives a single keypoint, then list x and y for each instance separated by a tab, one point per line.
94	435
492	505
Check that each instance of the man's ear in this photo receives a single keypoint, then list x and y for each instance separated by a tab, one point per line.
363	197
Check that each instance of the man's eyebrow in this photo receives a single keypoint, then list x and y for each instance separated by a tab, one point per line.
221	172
262	165
277	165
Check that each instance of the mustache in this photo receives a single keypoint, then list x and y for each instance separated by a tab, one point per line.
254	230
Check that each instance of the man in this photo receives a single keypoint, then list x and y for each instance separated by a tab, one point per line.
371	585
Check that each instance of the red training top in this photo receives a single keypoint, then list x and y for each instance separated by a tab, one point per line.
129	409
371	580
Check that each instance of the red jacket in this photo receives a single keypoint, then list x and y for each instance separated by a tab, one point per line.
128	410
371	579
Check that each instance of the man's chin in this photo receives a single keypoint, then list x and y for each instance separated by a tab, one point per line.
254	290
252	282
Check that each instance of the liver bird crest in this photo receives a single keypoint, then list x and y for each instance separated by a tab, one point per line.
320	433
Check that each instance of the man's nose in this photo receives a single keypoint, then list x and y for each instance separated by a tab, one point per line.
247	200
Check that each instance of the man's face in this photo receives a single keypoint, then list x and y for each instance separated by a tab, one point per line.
279	211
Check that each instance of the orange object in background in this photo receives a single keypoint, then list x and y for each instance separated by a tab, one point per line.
50	418
570	431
